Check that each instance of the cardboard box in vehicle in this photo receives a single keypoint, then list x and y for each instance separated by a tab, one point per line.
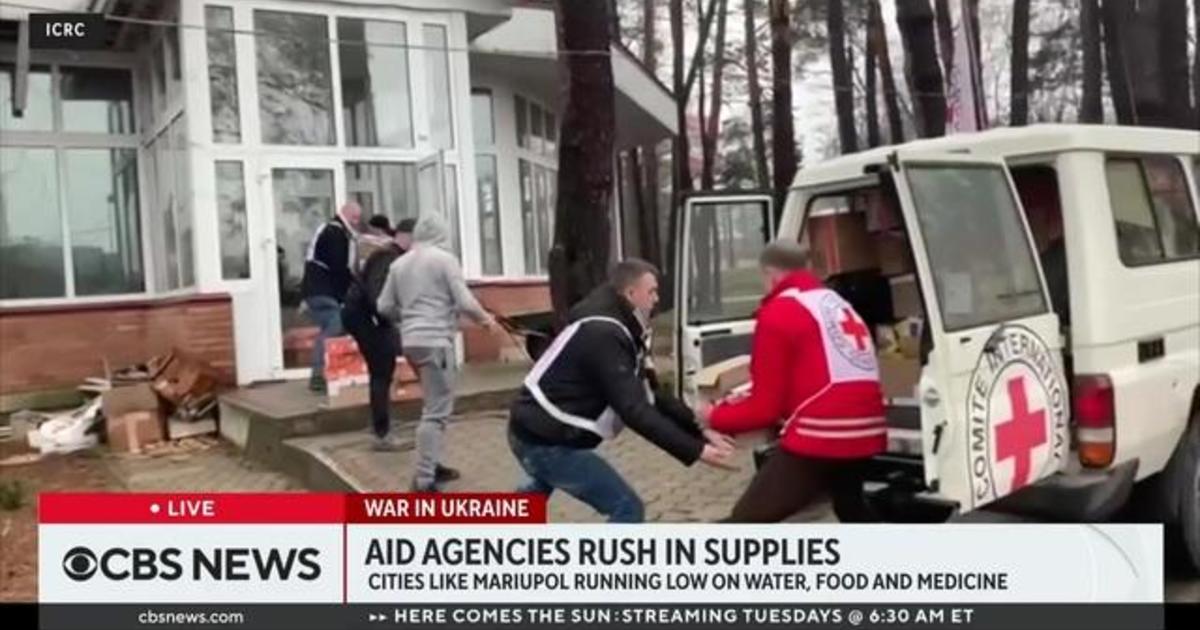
895	259
898	376
906	297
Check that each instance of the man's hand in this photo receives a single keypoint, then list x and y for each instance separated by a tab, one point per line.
491	325
717	456
716	438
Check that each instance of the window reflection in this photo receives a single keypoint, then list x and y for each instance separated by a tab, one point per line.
102	203
97	100
231	217
222	74
31	252
376	106
295	96
38	114
437	74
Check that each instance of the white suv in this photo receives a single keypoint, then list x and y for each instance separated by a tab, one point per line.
1035	296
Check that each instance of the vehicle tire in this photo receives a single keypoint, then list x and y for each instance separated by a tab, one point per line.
1186	483
1183	487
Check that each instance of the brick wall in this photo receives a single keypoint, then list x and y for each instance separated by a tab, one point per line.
55	347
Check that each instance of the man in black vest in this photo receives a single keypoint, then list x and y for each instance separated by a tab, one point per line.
328	271
590	383
378	338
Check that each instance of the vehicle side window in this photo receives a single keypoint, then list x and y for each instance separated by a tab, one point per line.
1152	210
725	241
983	268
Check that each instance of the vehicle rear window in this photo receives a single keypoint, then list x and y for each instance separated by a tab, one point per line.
1152	210
983	267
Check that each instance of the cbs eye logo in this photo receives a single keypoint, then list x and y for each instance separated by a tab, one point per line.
80	564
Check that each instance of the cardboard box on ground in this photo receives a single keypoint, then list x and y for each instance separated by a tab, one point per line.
171	397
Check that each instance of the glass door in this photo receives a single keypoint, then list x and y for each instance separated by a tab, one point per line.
301	199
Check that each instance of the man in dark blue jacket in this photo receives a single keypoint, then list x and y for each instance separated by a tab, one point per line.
328	272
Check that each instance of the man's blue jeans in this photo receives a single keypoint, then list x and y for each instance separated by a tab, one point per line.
326	313
581	473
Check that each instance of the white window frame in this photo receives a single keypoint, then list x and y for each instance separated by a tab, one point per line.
62	141
535	158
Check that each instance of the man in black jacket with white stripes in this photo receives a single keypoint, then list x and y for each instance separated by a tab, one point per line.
590	383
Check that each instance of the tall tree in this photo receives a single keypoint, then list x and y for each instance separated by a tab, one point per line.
682	172
1173	64
871	98
783	135
1117	13
843	89
915	19
579	260
644	161
1019	64
762	174
1196	63
713	123
878	37
945	33
1090	109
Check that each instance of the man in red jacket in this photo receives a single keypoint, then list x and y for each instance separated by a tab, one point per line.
812	368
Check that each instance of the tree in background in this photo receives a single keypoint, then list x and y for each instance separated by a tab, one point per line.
783	133
843	89
945	33
1116	13
1173	64
1018	112
643	161
878	38
762	175
712	127
915	20
579	260
873	139
1090	108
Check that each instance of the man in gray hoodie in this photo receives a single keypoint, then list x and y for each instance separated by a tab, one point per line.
424	294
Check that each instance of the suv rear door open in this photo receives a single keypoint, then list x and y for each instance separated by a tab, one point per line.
992	395
717	285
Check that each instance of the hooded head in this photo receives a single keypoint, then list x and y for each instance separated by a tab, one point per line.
431	230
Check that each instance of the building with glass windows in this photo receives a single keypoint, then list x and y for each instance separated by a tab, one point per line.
161	192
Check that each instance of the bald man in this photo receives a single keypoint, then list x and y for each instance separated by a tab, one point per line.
328	272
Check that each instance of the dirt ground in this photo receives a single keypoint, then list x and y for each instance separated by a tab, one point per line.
82	471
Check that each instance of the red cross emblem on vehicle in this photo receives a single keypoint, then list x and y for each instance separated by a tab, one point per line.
853	327
1017	437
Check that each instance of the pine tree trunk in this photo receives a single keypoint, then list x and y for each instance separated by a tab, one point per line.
878	37
579	259
915	19
682	170
1196	66
1090	109
1019	103
1117	13
783	136
762	173
872	106
647	156
1172	53
843	89
945	31
712	128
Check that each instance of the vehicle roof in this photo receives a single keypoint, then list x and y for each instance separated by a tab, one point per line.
1007	142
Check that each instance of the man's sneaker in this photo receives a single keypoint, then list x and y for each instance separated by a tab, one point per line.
445	473
317	385
385	444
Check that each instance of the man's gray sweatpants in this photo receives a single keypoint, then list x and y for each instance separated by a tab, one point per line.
435	367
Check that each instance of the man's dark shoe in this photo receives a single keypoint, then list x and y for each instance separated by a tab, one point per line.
445	473
418	487
317	385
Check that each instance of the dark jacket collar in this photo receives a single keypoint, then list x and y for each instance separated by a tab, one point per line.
604	301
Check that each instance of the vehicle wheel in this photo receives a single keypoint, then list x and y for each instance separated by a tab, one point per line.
1187	484
1183	479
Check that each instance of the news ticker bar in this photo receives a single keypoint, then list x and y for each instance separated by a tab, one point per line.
604	616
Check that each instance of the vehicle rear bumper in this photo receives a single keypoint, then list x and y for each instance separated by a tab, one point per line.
1085	497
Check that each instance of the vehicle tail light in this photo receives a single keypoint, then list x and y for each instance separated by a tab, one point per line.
1095	420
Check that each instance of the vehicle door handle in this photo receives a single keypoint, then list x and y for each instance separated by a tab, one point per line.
713	333
931	397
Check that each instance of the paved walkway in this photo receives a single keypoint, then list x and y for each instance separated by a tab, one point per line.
197	465
476	444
